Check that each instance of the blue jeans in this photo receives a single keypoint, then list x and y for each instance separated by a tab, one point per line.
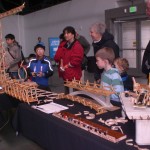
14	75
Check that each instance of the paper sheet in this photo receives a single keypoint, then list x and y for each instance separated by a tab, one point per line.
50	108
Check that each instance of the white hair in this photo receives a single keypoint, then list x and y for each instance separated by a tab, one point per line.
98	27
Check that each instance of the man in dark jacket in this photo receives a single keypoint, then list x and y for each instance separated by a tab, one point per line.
101	38
146	60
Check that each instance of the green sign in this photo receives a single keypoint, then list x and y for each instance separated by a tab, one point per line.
132	9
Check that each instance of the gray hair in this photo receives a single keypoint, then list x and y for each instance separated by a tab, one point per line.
98	27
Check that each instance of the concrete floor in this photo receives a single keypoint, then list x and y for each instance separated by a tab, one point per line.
8	138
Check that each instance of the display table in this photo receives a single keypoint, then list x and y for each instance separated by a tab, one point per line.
142	120
52	133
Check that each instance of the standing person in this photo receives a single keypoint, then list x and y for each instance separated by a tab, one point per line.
86	47
40	41
13	55
101	38
70	55
122	65
110	75
39	68
146	61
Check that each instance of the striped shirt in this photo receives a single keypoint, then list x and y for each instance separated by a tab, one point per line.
112	78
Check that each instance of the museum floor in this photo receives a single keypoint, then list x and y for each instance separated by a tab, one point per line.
8	138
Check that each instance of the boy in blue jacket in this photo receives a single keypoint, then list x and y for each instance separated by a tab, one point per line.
40	68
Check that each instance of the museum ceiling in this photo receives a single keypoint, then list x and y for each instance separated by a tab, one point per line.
30	5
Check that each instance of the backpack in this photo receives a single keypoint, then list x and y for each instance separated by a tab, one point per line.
84	62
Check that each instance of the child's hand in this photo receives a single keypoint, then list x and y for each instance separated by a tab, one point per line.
34	74
98	81
39	74
29	80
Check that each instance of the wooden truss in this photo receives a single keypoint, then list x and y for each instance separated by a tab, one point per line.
95	91
85	101
23	91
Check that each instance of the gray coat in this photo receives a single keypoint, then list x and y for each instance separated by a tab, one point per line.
13	57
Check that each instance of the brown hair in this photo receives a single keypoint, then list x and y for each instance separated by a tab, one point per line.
106	53
122	62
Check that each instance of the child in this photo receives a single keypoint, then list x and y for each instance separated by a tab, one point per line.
40	68
110	76
122	65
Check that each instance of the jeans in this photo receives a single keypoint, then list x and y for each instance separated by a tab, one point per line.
14	75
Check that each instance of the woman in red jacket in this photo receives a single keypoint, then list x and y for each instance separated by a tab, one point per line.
69	56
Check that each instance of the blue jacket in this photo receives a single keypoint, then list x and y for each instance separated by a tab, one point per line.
44	66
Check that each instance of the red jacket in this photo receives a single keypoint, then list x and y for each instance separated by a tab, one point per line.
71	56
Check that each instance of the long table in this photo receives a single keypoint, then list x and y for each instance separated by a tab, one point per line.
52	133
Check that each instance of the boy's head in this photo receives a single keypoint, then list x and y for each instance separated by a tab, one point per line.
104	57
39	50
10	38
31	56
121	64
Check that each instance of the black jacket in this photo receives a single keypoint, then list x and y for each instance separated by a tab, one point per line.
106	41
127	82
146	60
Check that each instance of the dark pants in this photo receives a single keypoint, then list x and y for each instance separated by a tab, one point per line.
66	90
14	75
47	88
